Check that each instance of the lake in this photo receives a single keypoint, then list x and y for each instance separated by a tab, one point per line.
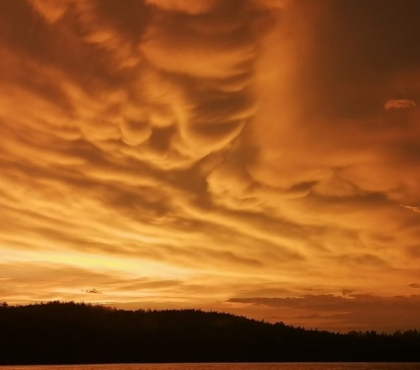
276	366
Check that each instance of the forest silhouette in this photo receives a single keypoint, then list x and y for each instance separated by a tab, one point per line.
76	333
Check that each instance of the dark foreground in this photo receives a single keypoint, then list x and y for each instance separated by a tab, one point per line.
234	366
69	333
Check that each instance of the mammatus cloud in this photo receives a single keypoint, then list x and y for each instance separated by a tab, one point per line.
400	104
177	153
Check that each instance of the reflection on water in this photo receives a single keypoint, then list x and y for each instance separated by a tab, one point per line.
277	366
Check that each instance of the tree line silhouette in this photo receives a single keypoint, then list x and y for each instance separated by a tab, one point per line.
75	333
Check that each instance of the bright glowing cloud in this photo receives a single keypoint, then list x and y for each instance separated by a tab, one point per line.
400	104
412	208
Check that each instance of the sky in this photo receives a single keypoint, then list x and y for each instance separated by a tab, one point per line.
258	157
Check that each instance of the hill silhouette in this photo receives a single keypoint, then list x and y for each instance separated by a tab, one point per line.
72	333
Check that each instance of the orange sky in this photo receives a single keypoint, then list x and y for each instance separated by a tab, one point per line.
260	157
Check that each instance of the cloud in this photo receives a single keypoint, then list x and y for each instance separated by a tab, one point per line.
186	6
412	208
399	104
311	316
358	311
165	151
414	286
51	10
271	4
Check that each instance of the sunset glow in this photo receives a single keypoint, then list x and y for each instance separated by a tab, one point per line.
259	157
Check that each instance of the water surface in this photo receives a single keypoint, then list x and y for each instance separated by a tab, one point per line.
276	366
